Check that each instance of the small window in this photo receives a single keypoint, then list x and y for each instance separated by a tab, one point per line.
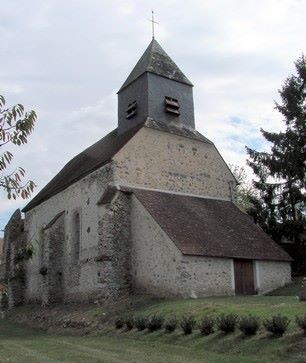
172	106
131	110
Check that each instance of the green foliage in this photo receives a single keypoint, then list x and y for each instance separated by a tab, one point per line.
3	300
280	173
227	322
24	254
187	324
277	324
16	125
244	191
302	293
207	325
170	325
249	325
119	323
155	322
301	322
18	274
140	322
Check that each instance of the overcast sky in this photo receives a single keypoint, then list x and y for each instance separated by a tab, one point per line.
66	59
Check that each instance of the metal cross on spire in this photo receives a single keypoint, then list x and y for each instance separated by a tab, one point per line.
153	22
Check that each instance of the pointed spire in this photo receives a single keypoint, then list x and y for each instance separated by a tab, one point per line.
156	60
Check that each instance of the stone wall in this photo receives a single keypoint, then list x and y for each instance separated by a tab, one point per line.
103	267
14	259
52	267
159	160
79	278
271	275
114	244
118	247
159	268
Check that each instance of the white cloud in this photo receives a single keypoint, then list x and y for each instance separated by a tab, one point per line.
67	61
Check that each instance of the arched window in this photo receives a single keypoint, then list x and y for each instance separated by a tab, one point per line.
76	236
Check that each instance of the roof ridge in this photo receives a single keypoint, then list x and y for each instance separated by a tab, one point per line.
128	187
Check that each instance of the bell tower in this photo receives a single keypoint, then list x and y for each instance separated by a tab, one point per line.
156	88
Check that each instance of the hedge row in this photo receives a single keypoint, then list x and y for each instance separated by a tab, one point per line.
225	323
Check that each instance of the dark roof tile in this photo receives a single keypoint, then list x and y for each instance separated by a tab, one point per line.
83	164
176	130
209	227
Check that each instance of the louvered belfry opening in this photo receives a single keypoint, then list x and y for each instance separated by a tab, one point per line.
172	105
131	110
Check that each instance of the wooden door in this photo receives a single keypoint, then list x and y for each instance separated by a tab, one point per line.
244	277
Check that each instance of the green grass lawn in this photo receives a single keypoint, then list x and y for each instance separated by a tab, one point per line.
23	345
293	289
20	344
263	306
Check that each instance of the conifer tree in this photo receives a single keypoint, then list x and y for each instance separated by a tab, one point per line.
280	182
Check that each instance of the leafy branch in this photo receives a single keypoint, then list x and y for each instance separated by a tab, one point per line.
16	125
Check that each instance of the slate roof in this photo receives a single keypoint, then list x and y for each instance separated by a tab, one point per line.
156	60
83	164
209	227
173	129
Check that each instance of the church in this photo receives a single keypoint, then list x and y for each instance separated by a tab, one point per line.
147	209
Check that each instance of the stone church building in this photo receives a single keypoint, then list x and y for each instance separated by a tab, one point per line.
147	209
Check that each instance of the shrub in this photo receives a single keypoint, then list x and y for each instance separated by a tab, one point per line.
170	325
155	323
206	325
302	294
277	325
119	323
249	325
301	322
187	324
140	323
227	323
129	322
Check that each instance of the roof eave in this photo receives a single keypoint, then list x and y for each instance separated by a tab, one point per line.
125	85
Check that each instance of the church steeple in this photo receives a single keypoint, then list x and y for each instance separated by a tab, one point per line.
156	60
158	89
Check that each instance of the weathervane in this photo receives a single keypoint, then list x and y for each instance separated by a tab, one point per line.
153	22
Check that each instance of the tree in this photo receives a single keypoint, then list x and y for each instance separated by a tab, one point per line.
245	193
16	125
280	173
